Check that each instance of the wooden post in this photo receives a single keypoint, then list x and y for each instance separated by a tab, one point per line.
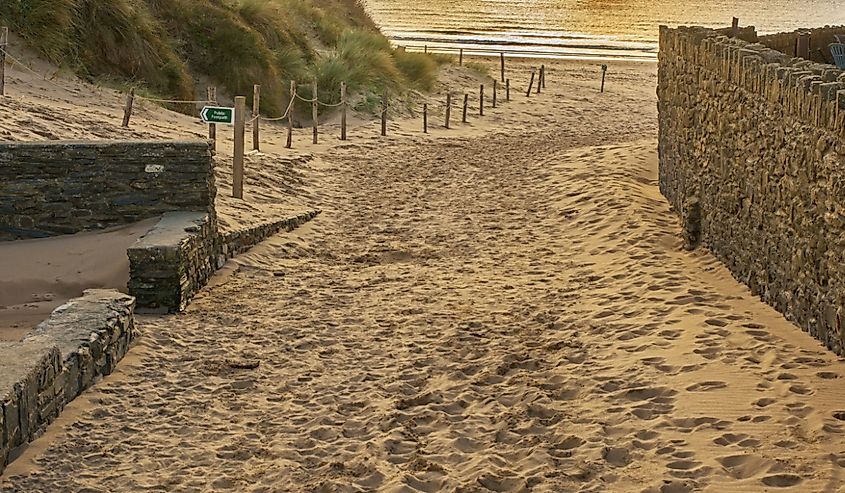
530	85
127	110
425	49
802	49
343	111
603	73
539	79
543	75
256	100
502	58
734	27
314	109
384	114
289	142
507	90
466	105
461	58
4	43
495	90
448	108
481	101
425	118
238	163
211	96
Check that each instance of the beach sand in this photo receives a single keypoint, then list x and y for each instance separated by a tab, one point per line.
504	306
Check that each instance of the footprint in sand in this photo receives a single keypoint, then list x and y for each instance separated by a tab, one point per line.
781	480
744	466
707	386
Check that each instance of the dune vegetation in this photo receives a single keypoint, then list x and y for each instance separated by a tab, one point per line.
174	48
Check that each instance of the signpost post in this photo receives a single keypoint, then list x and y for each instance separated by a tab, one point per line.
218	114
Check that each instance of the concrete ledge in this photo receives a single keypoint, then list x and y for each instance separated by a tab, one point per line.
80	342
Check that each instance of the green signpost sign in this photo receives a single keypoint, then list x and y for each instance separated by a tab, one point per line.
218	114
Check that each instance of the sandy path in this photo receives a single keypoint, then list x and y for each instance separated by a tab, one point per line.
507	312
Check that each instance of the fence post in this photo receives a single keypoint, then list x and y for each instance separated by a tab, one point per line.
314	109
507	90
481	100
238	163
530	85
256	100
495	90
425	118
127	110
343	111
466	105
502	58
425	49
543	75
384	114
291	105
539	79
4	43
448	108
461	58
603	73
211	96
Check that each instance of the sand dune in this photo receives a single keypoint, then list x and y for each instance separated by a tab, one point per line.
506	307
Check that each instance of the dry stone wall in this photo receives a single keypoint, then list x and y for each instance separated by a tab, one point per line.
819	41
50	188
752	156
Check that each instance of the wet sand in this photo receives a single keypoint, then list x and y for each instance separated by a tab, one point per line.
501	307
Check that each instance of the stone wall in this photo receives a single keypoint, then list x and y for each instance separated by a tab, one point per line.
50	188
752	156
820	38
80	342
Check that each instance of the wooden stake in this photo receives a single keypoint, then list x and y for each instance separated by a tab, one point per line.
384	114
466	105
343	111
127	110
238	164
289	142
461	58
425	118
425	49
539	80
448	108
481	100
543	76
211	96
507	90
603	73
314	109
530	85
256	100
4	43
502	58
495	90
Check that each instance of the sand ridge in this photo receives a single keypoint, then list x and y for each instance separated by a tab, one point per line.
504	308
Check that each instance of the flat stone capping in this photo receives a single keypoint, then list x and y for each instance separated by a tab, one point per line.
80	342
237	242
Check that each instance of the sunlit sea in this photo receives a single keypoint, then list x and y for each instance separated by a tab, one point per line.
586	29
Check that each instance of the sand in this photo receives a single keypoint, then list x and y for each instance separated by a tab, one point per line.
504	307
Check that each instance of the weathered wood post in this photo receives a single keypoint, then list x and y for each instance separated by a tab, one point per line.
466	105
495	90
238	163
802	49
384	114
289	142
4	43
735	27
603	73
502	60
256	101
530	85
481	100
543	75
425	49
507	90
343	111
127	109
211	96
314	109
448	108
425	118
461	58
540	79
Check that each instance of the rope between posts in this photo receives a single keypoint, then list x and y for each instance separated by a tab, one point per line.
287	112
306	100
24	66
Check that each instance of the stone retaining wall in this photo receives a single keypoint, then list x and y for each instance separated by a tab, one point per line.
820	38
752	155
50	188
80	342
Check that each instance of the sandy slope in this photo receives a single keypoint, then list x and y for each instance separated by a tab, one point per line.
503	307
